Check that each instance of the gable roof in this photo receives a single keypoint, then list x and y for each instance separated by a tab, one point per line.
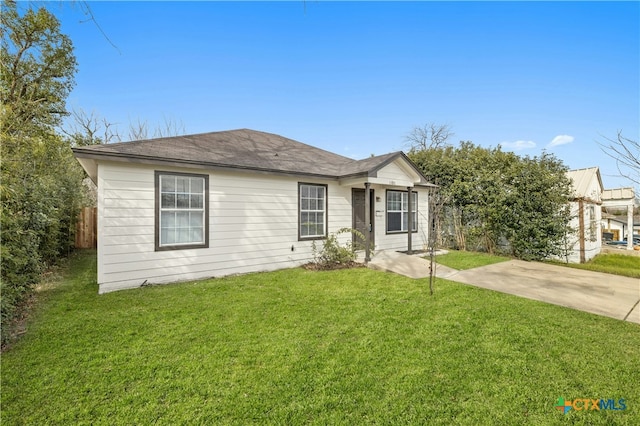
582	179
241	149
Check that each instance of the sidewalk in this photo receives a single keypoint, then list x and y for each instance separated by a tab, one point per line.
412	266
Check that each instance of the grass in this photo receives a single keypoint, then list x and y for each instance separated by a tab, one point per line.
618	264
295	346
462	260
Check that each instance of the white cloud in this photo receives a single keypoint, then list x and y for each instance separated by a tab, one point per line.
560	140
518	145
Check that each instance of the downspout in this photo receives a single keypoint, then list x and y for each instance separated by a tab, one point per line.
581	226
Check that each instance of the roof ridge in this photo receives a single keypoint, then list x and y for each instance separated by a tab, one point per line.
584	168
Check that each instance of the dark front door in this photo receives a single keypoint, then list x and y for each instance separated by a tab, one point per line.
359	222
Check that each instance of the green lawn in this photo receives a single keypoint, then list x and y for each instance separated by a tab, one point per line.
295	347
462	260
619	264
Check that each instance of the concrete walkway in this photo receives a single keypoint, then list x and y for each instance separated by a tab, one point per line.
412	266
603	294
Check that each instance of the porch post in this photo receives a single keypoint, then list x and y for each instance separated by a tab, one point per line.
367	221
630	226
409	220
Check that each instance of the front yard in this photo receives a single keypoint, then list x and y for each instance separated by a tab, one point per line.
611	263
295	346
462	260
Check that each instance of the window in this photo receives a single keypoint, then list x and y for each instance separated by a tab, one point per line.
397	211
182	211
312	210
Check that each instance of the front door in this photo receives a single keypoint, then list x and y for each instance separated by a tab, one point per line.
359	223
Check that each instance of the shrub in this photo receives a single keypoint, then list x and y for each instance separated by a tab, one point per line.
332	254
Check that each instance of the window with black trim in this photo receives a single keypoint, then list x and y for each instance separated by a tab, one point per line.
312	208
182	211
398	211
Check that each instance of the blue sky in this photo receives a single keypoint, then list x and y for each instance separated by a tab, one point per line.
355	78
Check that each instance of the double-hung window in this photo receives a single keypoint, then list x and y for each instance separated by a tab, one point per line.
312	209
398	211
182	211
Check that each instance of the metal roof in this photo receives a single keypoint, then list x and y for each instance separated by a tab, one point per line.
582	179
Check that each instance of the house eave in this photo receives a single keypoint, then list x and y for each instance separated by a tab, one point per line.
410	169
89	160
137	159
361	180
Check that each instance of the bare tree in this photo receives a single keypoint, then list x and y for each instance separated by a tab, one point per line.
434	218
626	152
169	127
85	9
429	136
438	201
139	130
90	129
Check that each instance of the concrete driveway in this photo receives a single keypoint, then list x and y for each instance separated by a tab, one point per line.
603	294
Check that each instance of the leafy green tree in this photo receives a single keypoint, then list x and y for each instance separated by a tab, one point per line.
38	68
498	201
536	209
41	183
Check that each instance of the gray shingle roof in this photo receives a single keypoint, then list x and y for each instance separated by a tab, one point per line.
240	149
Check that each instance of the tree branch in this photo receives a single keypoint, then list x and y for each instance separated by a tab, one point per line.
429	136
86	9
626	152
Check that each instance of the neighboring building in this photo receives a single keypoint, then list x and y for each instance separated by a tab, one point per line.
615	226
620	199
586	213
214	204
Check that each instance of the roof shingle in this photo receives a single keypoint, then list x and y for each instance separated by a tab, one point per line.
241	149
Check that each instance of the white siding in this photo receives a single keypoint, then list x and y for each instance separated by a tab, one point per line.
392	171
592	235
589	188
398	241
611	225
384	241
253	225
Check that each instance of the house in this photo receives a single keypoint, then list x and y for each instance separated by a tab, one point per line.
614	226
586	214
214	204
621	227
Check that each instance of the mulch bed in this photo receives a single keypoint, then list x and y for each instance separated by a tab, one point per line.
312	266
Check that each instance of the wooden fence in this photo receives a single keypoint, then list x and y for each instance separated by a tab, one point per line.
87	228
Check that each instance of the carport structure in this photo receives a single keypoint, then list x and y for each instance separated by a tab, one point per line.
620	198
